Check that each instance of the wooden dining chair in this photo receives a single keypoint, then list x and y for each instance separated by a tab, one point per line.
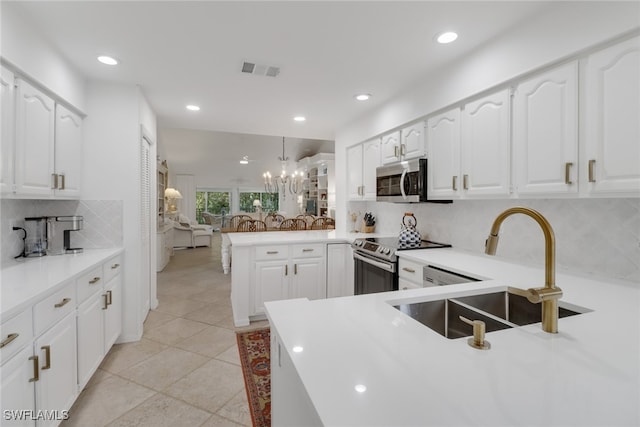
235	220
273	220
307	218
293	224
323	223
252	225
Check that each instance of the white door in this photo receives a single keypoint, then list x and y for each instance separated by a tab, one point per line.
546	132
486	146
390	148
90	337
7	123
354	172
68	152
412	144
370	161
145	227
113	313
34	140
309	279
17	386
443	167
612	163
271	283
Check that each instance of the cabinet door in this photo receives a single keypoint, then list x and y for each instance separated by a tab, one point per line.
546	132
390	148
370	161
271	283
485	146
90	337
68	152
57	387
612	163
404	284
443	166
34	140
412	143
354	172
339	270
17	387
113	313
309	279
7	125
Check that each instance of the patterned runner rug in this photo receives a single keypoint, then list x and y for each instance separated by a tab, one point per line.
254	347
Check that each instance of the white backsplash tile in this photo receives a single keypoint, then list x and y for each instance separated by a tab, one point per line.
102	223
594	236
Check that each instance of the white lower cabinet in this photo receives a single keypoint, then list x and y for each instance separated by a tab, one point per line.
288	271
90	338
340	279
409	274
17	388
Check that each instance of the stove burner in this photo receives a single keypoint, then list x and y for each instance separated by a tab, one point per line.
385	248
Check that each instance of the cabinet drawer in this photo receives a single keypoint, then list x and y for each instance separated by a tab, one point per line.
404	284
48	311
311	250
89	283
16	332
410	270
272	252
112	268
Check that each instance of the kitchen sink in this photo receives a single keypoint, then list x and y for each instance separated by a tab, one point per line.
498	310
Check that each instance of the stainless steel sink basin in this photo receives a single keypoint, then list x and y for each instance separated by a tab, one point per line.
499	310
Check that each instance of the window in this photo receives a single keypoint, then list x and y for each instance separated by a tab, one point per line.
214	202
269	201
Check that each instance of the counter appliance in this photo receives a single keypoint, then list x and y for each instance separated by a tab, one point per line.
59	230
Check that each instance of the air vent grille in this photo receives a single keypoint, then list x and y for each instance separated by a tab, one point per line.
259	69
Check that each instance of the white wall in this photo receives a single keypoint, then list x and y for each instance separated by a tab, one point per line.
570	29
24	48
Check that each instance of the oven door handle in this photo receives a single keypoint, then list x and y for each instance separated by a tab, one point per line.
402	177
383	265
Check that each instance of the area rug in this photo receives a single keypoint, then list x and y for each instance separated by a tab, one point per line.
255	348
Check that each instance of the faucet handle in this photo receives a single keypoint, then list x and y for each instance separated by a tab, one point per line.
479	329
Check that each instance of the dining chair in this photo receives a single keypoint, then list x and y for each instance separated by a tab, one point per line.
252	225
273	220
323	223
293	224
307	218
235	220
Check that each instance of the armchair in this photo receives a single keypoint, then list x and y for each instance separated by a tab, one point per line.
189	234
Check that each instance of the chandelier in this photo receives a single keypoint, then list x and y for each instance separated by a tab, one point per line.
279	184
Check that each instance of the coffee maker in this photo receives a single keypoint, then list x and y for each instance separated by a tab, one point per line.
59	230
35	238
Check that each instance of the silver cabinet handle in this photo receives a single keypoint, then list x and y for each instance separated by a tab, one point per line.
454	183
54	179
94	280
465	182
106	301
47	356
62	303
592	164
8	339
286	269
114	266
567	173
407	269
272	252
395	151
307	250
61	187
36	369
403	149
109	296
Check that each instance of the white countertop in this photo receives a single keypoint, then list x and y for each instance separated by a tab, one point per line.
306	236
587	374
34	278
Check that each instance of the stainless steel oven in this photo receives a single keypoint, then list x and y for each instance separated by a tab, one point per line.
376	263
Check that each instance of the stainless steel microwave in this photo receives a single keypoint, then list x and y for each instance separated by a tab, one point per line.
404	182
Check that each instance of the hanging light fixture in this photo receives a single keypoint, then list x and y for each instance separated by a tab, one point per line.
279	184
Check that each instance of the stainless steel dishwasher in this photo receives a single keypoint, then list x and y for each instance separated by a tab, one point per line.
436	276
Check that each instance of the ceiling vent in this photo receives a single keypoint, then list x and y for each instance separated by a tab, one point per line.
259	69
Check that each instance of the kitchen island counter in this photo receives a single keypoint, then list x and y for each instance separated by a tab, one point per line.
360	361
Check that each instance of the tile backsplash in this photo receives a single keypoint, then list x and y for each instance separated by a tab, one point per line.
102	223
593	236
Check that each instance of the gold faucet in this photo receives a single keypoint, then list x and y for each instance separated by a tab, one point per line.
549	294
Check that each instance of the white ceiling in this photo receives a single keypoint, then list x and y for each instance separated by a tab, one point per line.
184	52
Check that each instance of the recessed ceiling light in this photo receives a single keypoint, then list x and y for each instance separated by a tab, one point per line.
245	160
193	108
299	118
363	97
107	60
446	37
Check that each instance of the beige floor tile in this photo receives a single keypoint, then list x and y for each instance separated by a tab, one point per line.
123	356
98	376
162	411
178	306
180	290
214	294
211	314
156	318
218	421
163	369
106	401
209	342
175	331
237	409
210	386
231	355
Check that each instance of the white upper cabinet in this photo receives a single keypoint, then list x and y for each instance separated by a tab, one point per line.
546	133
390	148
443	167
7	125
612	130
486	146
362	161
68	152
35	120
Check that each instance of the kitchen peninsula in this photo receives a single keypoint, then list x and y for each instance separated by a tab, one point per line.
275	265
388	369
